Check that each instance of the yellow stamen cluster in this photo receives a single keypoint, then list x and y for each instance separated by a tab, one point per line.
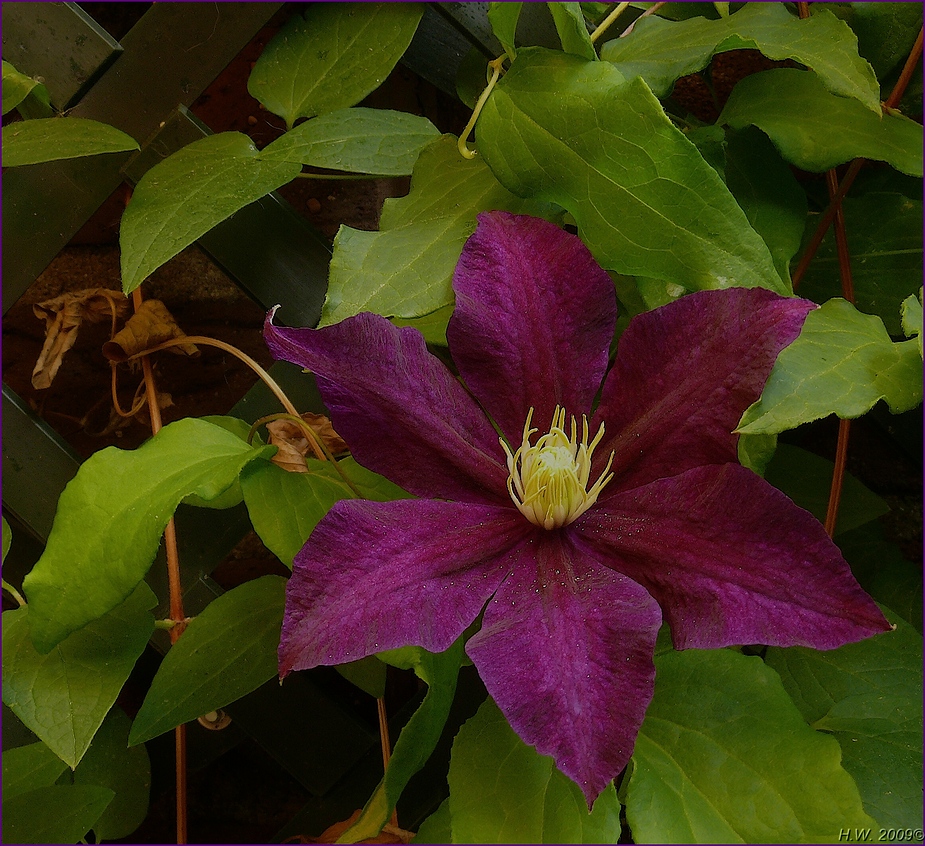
548	481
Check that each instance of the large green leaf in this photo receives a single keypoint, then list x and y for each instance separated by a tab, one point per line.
573	132
573	32
503	791
332	57
438	828
16	87
127	772
29	768
362	140
47	139
405	268
724	756
62	813
225	652
661	51
503	19
185	195
816	130
63	696
869	696
842	363
111	516
885	244
419	736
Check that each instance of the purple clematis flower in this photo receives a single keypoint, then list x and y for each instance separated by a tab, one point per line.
575	539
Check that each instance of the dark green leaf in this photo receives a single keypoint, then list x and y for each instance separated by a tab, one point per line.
842	363
332	57
662	51
503	791
360	140
62	813
63	696
127	772
225	652
571	132
437	827
419	736
185	195
368	674
47	139
885	31
869	696
29	768
405	268
7	538
816	130
573	32
503	18
16	87
111	516
885	244
724	756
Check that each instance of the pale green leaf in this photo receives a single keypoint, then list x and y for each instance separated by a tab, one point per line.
16	87
405	268
111	516
332	57
724	756
573	32
503	791
816	130
29	768
62	813
885	244
374	141
127	772
63	696
503	18
869	696
432	326
47	139
185	195
572	132
842	363
912	315
661	51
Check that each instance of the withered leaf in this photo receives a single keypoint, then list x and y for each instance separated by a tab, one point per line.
63	316
294	446
389	834
150	325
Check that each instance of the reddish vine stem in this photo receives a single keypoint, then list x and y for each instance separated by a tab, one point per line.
176	592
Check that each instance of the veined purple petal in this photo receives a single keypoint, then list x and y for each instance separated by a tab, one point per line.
565	649
684	375
379	575
399	408
534	318
731	560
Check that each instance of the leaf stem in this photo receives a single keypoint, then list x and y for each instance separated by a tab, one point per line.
650	11
464	151
13	592
386	745
604	25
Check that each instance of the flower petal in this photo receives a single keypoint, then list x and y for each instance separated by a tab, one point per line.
684	375
379	575
399	408
534	319
731	560
566	650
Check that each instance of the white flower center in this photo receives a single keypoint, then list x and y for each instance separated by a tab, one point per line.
548	481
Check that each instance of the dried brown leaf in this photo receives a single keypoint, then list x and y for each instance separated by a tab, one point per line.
150	325
293	444
389	834
63	316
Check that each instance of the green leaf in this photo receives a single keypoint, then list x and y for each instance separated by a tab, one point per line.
503	18
16	87
807	479
405	269
724	756
572	132
63	696
661	51
419	736
885	244
816	130
362	140
768	193
332	57
842	363
127	772
62	813
7	538
185	195
912	316
368	674
437	828
225	652
573	32
29	768
47	139
503	791
869	696
432	326
111	516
